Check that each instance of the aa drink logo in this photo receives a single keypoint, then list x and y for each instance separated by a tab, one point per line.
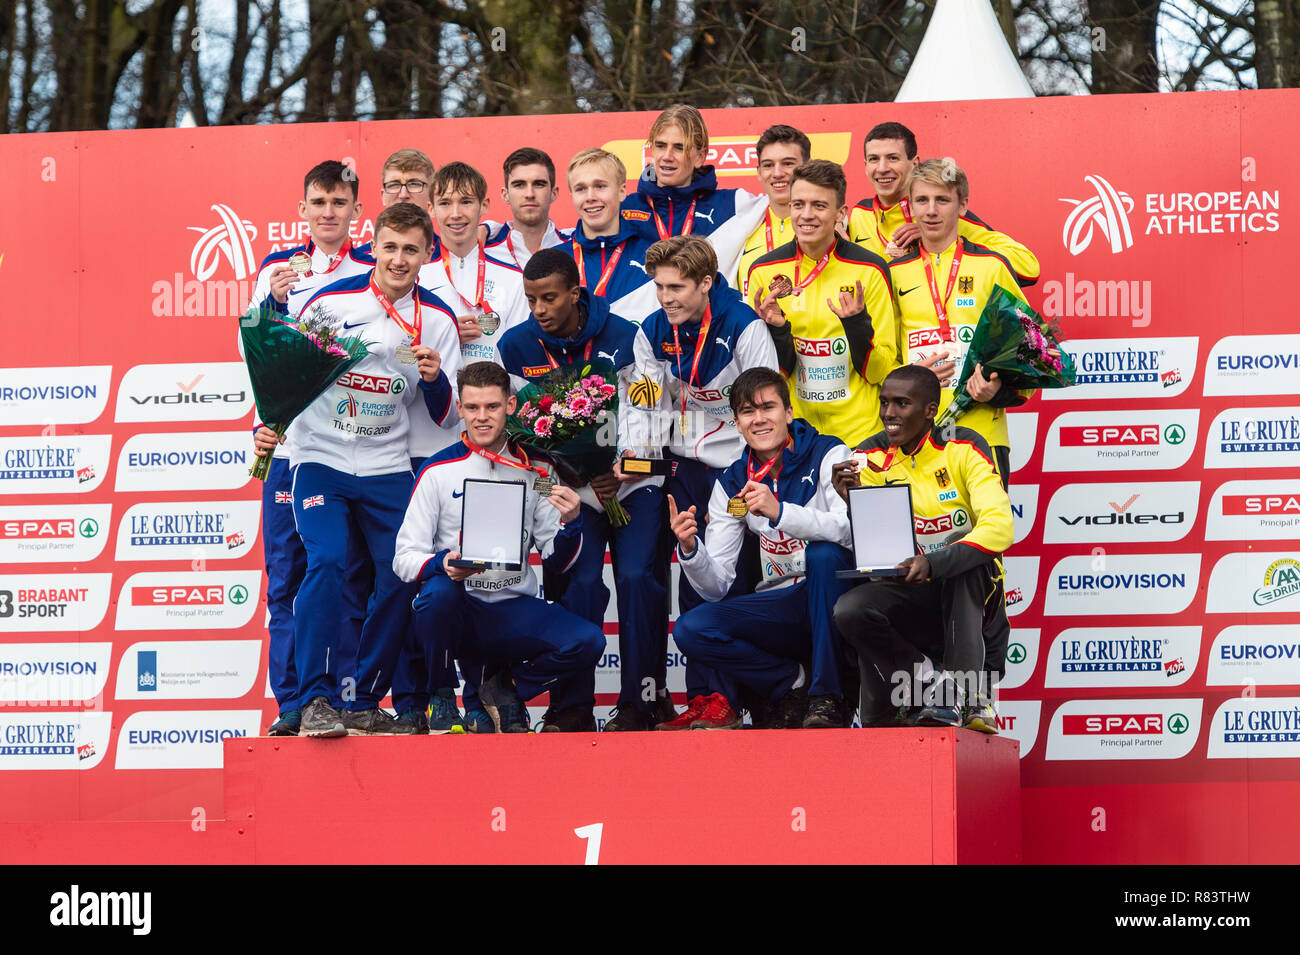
188	530
1024	509
1110	513
57	740
1262	656
1022	431
213	391
1121	440
63	395
57	464
1254	438
198	461
53	673
1128	368
1124	729
1123	584
192	739
43	603
1254	510
53	532
1021	584
1102	218
188	670
1022	658
1123	656
1256	727
1255	583
1019	719
189	600
1253	365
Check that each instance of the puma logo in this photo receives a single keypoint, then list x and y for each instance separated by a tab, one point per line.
725	343
809	478
639	265
705	215
609	355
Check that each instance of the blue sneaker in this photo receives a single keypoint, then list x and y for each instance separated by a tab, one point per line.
287	724
944	702
444	715
478	721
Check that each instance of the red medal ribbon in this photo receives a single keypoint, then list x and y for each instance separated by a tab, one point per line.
903	204
478	288
498	459
586	353
940	304
757	476
605	273
664	233
817	270
699	350
414	328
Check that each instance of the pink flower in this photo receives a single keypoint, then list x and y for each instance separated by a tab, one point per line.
593	380
607	390
580	405
542	427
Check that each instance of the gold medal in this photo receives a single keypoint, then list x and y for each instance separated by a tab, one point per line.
544	486
404	354
300	262
489	322
737	507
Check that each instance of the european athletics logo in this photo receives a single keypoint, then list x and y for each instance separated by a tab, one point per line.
1107	211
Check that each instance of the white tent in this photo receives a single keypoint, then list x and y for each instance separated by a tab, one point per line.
963	55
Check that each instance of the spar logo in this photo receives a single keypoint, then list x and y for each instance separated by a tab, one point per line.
1022	658
1122	656
1104	214
1254	437
53	532
1152	440
1254	510
373	384
1127	583
729	155
820	347
1124	729
1281	580
1254	727
1253	365
195	599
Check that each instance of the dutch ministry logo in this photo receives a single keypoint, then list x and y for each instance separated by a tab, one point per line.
231	240
1105	212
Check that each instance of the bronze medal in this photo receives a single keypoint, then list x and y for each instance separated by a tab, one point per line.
544	486
737	507
781	286
300	262
489	322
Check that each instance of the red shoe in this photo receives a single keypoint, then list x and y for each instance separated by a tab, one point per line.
717	715
694	708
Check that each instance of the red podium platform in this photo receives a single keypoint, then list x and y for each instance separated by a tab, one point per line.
814	796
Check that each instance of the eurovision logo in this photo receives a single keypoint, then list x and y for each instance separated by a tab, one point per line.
1256	727
53	532
1254	438
190	739
1254	510
1136	511
189	600
212	391
188	670
39	603
1121	440
1253	365
200	461
1260	656
1124	729
1128	368
57	464
188	530
1123	584
53	673
1123	656
64	395
1255	583
54	740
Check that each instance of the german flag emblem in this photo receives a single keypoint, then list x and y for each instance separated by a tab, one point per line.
942	478
966	284
644	392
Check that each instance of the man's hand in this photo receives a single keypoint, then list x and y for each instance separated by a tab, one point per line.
618	469
981	388
283	278
939	362
760	500
851	303
768	308
683	526
918	570
566	501
428	363
264	440
457	573
606	485
844	476
903	236
468	327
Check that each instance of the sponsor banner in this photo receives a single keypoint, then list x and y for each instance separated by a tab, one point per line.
67	395
609	667
1253	365
53	532
42	603
58	673
1108	584
1128	368
188	670
1024	509
1264	656
1254	510
205	391
1124	729
188	530
173	739
54	740
1255	583
1019	720
1120	512
189	600
1021	584
1156	440
1255	727
57	464
1022	432
1022	658
198	461
1123	656
1254	438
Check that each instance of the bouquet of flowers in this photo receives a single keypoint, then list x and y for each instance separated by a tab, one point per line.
290	364
560	418
1016	342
